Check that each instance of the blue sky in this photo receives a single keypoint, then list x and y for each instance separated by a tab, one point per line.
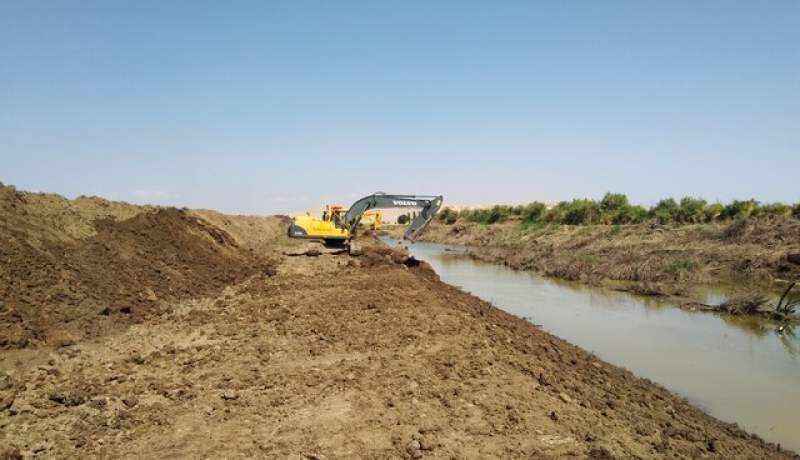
262	107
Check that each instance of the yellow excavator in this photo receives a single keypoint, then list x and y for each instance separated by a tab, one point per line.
339	225
374	219
326	226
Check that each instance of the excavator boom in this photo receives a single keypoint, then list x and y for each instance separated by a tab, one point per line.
343	225
429	206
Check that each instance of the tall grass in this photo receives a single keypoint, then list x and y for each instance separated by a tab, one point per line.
615	209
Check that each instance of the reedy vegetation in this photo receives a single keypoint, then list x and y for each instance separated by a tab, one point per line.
615	209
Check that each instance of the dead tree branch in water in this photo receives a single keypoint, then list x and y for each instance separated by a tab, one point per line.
790	305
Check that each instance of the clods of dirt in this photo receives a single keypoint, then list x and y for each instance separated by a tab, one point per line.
125	267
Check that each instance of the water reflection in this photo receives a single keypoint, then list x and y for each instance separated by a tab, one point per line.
755	326
789	340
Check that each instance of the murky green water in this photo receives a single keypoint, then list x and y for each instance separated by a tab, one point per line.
737	369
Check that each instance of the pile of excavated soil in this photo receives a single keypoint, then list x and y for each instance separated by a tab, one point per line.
263	234
49	217
168	254
54	288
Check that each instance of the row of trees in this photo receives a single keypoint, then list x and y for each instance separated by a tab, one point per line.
614	208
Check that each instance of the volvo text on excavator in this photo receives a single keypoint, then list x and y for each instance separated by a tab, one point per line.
341	226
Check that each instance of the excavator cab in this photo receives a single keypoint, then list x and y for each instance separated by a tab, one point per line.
340	225
332	212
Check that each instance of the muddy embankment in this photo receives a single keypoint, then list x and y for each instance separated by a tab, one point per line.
136	332
752	258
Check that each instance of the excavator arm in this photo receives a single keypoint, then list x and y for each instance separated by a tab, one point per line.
429	206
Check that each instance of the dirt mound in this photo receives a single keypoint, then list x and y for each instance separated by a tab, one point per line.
53	288
260	233
369	251
37	217
164	254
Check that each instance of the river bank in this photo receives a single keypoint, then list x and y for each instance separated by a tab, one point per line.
737	368
679	261
149	349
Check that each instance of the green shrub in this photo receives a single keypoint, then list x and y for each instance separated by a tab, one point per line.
776	209
665	211
533	212
505	212
497	214
743	209
615	208
471	215
575	212
613	202
581	212
713	211
403	219
448	216
556	213
691	211
480	216
630	215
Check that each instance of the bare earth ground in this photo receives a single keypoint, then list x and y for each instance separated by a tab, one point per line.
330	356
